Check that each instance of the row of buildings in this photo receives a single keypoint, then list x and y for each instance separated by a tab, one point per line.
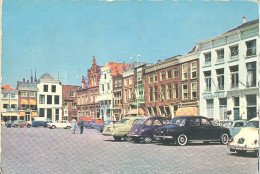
217	79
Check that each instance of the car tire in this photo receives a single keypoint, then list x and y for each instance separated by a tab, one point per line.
53	127
28	125
148	140
127	138
136	139
16	126
68	127
182	140
224	138
117	138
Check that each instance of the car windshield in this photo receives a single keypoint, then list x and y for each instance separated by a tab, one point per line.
123	120
140	121
252	124
178	121
227	124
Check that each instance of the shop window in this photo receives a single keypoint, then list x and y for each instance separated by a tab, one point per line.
251	48
234	76
251	74
220	77
207	77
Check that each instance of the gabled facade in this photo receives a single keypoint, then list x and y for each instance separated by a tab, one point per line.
229	66
49	97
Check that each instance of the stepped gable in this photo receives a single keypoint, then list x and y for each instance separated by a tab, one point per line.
7	87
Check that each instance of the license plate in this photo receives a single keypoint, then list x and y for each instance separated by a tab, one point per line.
241	141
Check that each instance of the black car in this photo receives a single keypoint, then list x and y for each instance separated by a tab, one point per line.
144	129
185	129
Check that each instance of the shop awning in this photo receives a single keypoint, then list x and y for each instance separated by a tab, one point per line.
22	114
134	112
32	102
10	114
6	102
24	102
188	111
34	114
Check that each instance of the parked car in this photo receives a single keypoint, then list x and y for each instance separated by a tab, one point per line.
120	130
234	126
59	124
41	123
101	126
247	139
9	123
21	123
89	124
185	129
144	129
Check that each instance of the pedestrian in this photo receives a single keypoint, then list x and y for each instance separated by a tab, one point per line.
73	125
81	125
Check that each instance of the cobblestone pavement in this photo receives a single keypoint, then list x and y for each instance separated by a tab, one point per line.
43	150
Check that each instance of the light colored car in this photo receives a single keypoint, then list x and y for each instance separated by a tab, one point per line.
121	129
21	123
247	139
59	124
234	126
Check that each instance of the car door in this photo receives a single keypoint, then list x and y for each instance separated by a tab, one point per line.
207	129
194	130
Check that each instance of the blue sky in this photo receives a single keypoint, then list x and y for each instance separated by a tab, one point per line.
55	35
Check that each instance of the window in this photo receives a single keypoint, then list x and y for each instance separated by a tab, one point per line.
157	122
175	73
23	94
195	122
42	99
74	105
57	111
185	71
148	123
32	94
169	91
72	93
49	99
210	108
13	106
125	94
49	113
222	108
184	91
105	76
53	88
150	93
220	55
86	99
130	93
155	77
139	76
251	100
130	81
175	90
162	92
251	74
162	75
45	88
108	86
207	75
41	114
150	78
155	93
6	95
78	100
12	95
220	78
193	91
236	101
103	87
205	122
66	105
169	74
251	48
233	51
116	83
56	99
194	70
5	106
207	57
234	76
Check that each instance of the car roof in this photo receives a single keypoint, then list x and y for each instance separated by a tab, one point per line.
191	117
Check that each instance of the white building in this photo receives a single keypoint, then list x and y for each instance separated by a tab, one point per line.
228	73
49	97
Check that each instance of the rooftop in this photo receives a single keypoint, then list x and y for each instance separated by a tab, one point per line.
7	87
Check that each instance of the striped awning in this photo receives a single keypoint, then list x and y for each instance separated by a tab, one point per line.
32	102
24	102
34	114
22	114
10	114
188	111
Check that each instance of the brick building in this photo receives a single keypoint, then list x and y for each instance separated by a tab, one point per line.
69	102
172	86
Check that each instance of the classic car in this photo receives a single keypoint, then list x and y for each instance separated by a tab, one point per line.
90	124
144	129
120	130
101	126
59	124
234	126
21	123
9	123
185	129
247	139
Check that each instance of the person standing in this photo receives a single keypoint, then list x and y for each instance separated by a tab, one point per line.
73	125
81	125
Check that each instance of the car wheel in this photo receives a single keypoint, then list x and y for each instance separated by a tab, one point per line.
16	126
127	138
36	125
224	139
117	138
148	140
28	125
53	127
240	152
182	140
136	140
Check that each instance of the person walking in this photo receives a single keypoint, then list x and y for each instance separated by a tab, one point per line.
81	125
73	125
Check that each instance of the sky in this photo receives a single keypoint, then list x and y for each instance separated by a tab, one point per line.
61	37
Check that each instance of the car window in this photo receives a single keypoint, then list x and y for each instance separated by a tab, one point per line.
252	124
195	122
227	124
178	121
239	124
139	121
148	122
205	122
157	122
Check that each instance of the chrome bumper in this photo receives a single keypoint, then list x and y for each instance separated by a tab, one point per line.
131	135
163	137
233	147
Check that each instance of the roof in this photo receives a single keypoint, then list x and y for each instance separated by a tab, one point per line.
26	85
7	87
117	68
86	85
137	64
46	76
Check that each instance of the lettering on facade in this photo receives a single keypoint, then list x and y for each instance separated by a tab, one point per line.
211	96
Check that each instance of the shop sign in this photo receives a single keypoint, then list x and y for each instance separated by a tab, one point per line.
217	95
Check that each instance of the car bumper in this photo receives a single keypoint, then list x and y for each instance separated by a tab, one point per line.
132	135
163	137
247	148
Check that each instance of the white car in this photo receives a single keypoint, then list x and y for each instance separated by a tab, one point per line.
59	124
247	139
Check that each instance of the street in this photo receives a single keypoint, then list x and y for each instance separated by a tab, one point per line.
43	150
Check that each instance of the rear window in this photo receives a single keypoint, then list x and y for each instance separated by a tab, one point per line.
227	124
252	124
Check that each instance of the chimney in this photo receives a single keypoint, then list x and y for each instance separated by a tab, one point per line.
31	77
94	60
83	82
23	79
244	19
35	79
